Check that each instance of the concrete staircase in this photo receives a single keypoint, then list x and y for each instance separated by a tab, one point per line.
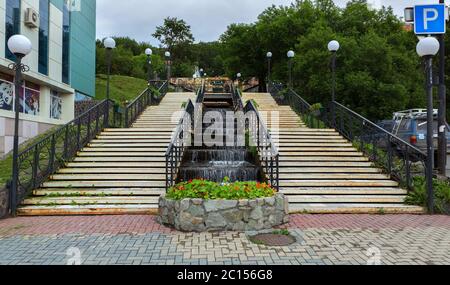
122	171
321	172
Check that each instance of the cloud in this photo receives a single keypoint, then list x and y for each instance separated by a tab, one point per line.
207	18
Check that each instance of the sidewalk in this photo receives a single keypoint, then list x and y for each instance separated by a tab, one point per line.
321	239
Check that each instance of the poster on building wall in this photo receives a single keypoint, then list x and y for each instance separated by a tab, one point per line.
6	95
56	106
30	104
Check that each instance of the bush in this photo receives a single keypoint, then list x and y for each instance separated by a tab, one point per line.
208	190
441	192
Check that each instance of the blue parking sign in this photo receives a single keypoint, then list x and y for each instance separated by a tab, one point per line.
429	19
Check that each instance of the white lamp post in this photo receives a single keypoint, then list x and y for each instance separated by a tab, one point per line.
427	48
149	53
109	44
269	62
168	64
290	56
20	46
333	47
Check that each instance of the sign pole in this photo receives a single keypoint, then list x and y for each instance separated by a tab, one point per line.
442	120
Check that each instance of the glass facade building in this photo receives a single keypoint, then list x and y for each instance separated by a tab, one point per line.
62	63
12	25
44	26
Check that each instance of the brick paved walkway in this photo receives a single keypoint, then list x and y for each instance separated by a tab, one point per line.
321	239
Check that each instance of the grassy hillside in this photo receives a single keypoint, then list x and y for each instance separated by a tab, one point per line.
123	88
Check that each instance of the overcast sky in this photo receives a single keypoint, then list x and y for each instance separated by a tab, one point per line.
207	18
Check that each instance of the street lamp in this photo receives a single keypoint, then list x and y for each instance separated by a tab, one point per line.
20	46
169	65
290	56
201	72
109	44
238	76
149	52
333	47
269	69
427	48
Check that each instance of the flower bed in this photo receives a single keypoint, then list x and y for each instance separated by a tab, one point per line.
208	190
199	206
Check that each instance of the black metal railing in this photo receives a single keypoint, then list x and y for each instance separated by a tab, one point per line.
182	137
310	114
237	98
42	159
398	158
401	160
201	93
146	98
259	137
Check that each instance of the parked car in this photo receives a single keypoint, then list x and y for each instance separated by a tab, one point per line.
411	126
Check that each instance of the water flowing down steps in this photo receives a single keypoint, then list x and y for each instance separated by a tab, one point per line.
321	172
122	171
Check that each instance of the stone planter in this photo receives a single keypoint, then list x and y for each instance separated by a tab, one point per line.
198	215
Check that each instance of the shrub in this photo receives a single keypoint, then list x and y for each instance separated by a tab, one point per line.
209	190
441	192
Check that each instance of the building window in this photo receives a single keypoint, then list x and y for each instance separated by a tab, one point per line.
29	96
12	24
44	7
56	105
66	44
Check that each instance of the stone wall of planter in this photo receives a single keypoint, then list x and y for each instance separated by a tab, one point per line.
198	215
4	202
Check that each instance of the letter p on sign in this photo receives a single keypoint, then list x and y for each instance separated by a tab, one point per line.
430	19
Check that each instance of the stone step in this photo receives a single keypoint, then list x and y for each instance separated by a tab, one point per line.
108	177
320	153
324	158
148	145
112	141
309	145
62	210
338	183
151	130
119	159
104	184
287	150
83	200
52	192
168	137
291	164
127	134
342	169
329	176
117	164
363	208
123	149
122	154
343	191
112	170
371	199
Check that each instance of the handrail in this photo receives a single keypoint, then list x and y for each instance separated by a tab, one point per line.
401	160
378	128
42	159
261	138
398	158
134	109
237	98
181	139
201	93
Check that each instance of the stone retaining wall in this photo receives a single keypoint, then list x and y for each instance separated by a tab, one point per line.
198	215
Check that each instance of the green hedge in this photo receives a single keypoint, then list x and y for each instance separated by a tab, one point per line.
441	194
